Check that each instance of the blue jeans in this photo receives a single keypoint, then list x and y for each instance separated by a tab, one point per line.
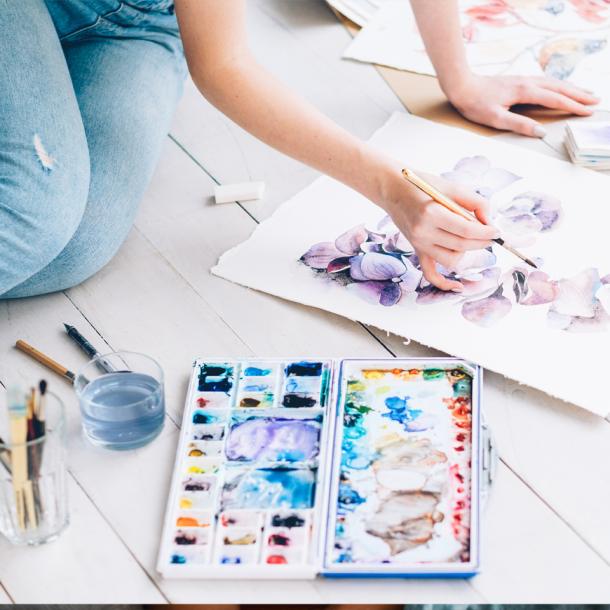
87	92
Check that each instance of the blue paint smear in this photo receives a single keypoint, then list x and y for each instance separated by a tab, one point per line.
215	378
463	387
349	498
253	371
201	417
254	387
230	560
398	410
179	559
304	369
271	488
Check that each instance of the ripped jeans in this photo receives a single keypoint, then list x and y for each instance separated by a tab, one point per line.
87	92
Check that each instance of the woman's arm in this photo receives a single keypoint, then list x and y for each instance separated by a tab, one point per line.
222	67
488	99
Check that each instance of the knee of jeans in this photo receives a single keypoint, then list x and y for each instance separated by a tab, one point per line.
61	199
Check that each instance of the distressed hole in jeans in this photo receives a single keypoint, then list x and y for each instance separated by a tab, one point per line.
46	160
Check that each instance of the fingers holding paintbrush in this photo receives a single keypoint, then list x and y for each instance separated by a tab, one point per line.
436	233
465	210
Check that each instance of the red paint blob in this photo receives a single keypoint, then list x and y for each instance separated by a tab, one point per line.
276	559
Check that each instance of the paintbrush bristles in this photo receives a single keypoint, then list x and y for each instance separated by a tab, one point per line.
42	386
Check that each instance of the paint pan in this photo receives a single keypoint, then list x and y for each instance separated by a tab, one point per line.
256	400
194	518
212	400
404	487
341	468
215	377
241	518
258	370
238	555
286	537
185	555
273	440
203	465
208	432
208	416
268	488
284	557
191	537
198	449
289	519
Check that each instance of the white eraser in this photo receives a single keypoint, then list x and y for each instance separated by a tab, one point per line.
245	191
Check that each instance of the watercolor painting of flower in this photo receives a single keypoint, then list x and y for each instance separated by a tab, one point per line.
477	174
559	57
507	13
381	267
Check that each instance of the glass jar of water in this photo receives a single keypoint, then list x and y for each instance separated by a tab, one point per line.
122	400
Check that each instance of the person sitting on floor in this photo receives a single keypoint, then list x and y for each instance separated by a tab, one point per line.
88	91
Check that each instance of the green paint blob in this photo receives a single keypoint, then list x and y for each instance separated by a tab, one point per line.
429	374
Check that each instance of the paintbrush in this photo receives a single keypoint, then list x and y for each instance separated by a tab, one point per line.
40	409
19	458
31	416
5	456
86	346
40	431
452	206
51	364
34	457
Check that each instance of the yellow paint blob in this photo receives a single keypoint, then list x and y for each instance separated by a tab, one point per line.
186	503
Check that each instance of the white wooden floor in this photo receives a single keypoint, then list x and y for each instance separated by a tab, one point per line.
547	527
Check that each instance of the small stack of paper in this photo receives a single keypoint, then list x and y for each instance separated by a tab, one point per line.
588	143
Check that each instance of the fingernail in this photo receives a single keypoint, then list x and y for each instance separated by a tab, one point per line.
539	131
458	288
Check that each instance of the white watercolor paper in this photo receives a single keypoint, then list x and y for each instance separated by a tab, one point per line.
511	37
358	11
531	337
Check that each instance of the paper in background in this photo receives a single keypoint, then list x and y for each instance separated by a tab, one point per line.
532	42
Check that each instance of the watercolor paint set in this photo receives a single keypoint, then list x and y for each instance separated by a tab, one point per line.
292	468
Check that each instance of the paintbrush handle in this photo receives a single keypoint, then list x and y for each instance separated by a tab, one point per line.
451	205
435	194
26	348
19	464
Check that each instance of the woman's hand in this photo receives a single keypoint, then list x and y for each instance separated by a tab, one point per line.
488	100
437	234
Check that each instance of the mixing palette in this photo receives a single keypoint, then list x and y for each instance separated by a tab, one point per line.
291	468
247	480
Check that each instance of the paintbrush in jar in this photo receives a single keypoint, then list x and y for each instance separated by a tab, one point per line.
452	206
19	458
5	456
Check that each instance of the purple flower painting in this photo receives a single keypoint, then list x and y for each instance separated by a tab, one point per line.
477	174
381	267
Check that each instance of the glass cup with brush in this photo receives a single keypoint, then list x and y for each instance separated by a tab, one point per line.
33	474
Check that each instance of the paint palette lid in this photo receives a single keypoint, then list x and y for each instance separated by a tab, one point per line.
404	494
